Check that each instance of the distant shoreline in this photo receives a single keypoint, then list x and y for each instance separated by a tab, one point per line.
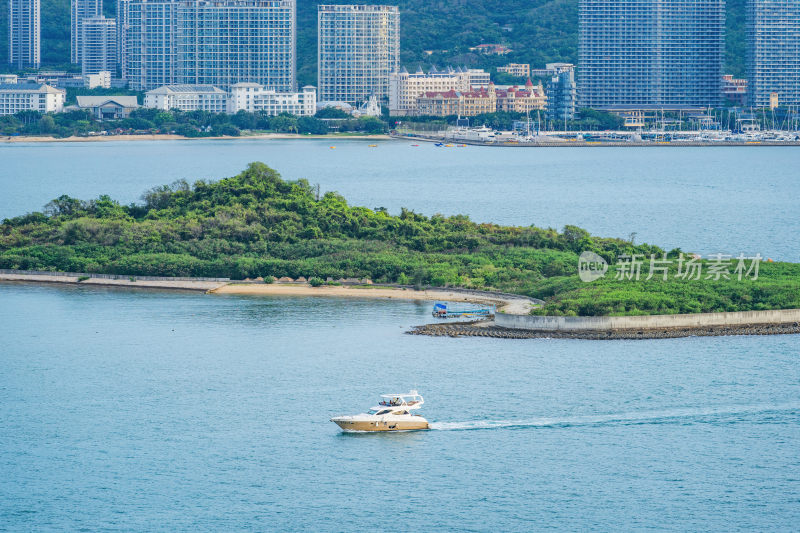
508	303
170	137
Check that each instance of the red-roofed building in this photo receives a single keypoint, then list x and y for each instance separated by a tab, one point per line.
519	100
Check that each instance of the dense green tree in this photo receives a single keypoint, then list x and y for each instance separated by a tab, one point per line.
256	224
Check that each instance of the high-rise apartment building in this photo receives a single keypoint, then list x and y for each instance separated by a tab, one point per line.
98	45
773	32
24	33
358	48
150	46
80	10
224	42
651	53
561	92
122	28
205	42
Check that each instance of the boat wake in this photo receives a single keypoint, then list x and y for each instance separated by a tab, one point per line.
728	414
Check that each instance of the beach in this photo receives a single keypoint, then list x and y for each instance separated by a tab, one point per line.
170	137
505	303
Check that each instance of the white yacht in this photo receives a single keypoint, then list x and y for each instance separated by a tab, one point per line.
393	413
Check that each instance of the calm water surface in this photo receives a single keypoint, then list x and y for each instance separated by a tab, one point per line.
707	200
132	410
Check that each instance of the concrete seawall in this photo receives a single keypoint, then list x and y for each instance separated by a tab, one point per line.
646	322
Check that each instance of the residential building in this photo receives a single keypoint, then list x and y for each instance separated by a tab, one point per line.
664	54
252	97
491	49
108	107
210	42
100	79
6	79
439	103
518	70
79	11
773	32
18	97
98	45
63	80
562	94
24	33
405	88
518	100
478	78
734	90
122	28
358	49
467	103
223	42
188	98
150	46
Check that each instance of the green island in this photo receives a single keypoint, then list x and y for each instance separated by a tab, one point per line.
256	224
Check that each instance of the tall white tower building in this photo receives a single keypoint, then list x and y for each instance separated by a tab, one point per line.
359	47
24	33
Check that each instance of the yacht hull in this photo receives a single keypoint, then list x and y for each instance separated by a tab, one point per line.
381	425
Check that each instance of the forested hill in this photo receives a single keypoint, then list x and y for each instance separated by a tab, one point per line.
256	224
539	31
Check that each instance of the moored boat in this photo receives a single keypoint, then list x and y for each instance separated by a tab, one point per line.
393	413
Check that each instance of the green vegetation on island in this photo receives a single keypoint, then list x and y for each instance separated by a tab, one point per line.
256	224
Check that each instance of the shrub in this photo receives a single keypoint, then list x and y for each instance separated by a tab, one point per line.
269	279
315	282
83	278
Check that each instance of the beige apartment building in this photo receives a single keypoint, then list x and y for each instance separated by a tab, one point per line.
479	101
405	89
518	70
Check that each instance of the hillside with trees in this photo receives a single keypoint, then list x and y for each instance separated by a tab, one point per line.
256	224
432	32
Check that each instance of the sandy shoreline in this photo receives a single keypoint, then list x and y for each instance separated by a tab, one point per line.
507	304
260	136
105	282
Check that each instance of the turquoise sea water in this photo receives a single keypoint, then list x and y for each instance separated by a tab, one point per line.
706	199
172	411
145	410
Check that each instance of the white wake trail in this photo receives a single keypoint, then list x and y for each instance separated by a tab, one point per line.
677	415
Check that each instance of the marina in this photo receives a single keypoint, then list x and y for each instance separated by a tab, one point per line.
483	136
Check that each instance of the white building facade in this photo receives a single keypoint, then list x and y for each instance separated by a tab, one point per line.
188	98
252	97
150	56
99	45
209	42
223	42
80	10
30	97
24	31
358	49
